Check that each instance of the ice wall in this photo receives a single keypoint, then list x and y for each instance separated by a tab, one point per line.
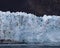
21	26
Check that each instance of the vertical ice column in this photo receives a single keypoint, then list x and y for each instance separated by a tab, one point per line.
1	26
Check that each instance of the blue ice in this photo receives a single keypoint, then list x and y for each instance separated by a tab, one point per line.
21	26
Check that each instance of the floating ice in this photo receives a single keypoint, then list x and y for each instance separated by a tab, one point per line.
21	26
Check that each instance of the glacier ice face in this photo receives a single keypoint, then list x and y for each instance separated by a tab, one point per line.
21	26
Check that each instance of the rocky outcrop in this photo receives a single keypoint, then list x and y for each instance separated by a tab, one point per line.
37	7
49	7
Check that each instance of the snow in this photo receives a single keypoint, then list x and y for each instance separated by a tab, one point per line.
21	26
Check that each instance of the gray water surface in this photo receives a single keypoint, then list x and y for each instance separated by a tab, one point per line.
26	46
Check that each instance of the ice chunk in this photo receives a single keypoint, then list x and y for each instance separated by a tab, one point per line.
21	26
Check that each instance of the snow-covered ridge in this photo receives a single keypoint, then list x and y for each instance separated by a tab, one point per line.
21	26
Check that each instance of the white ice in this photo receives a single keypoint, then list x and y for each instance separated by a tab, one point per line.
21	26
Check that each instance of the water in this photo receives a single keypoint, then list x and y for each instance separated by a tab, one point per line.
27	46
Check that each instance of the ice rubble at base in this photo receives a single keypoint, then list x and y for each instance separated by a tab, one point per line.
21	26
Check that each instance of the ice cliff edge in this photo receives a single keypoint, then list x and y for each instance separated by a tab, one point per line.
21	26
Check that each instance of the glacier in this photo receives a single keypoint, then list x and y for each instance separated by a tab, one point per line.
20	26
